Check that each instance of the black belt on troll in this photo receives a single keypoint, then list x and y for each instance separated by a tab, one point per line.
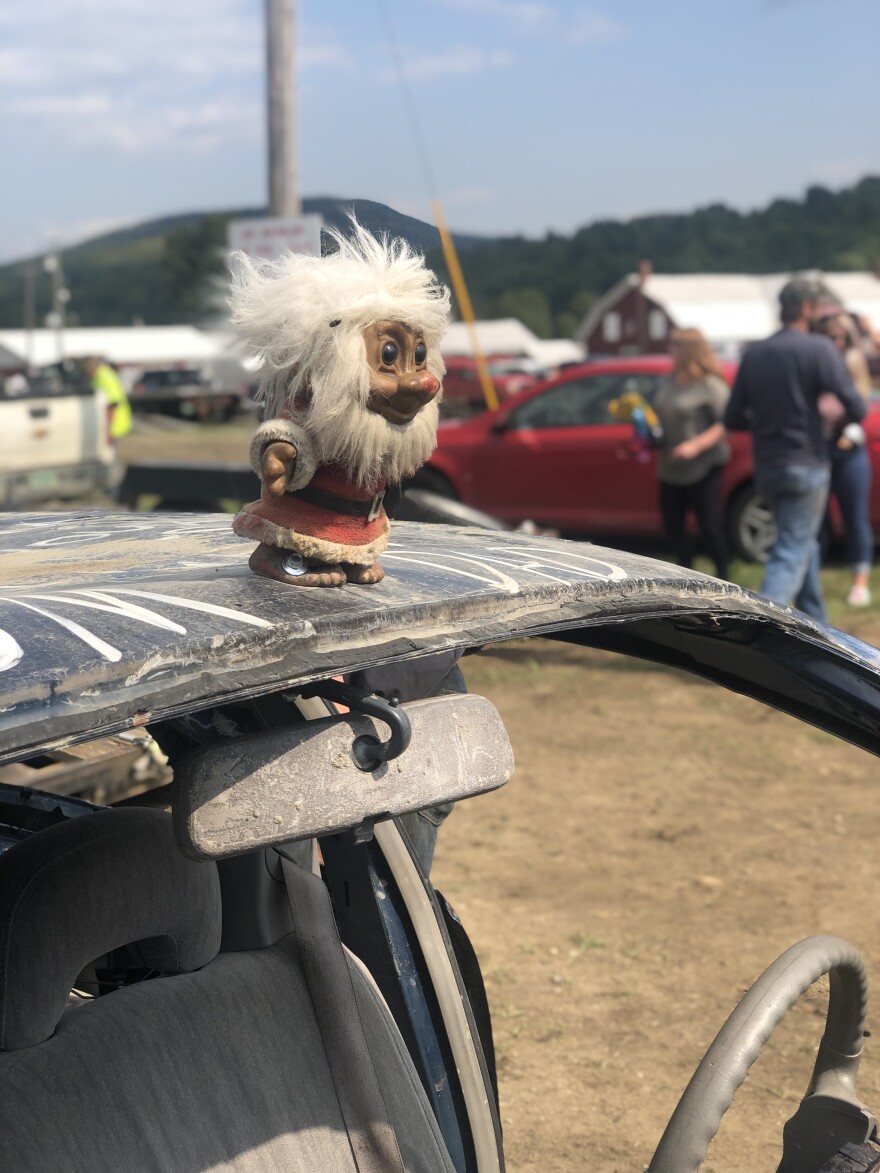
324	500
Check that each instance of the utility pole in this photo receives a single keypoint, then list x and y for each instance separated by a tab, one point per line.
60	297
281	107
30	311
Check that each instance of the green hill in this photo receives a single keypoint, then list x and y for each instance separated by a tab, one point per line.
157	271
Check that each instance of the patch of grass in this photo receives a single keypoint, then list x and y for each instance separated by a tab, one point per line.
550	1035
499	974
584	942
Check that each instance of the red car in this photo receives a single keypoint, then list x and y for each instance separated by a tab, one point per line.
554	455
462	392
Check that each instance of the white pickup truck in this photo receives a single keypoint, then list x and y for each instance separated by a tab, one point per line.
54	441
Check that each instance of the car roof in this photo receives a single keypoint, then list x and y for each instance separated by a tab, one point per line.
114	620
644	364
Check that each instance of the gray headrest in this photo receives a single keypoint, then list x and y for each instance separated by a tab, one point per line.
73	892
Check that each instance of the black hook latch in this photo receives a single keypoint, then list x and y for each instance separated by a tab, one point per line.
368	752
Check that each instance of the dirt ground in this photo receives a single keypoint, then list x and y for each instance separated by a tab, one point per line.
660	843
162	438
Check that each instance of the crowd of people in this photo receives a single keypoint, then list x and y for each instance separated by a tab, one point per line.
802	394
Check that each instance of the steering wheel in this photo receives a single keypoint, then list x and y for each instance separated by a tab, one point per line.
830	1114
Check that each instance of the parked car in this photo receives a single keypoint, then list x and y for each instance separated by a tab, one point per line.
463	393
187	392
173	991
55	438
553	454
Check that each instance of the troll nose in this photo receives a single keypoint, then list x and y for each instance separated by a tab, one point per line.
421	384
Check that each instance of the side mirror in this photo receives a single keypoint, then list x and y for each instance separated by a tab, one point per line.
497	427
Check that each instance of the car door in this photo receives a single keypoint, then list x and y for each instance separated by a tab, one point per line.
561	459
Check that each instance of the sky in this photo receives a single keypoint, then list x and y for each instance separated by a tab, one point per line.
535	116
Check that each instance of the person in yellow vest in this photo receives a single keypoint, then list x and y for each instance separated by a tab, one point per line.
104	379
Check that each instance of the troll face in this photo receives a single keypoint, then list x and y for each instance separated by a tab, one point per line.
380	421
400	382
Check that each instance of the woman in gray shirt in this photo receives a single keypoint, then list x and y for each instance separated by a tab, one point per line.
690	405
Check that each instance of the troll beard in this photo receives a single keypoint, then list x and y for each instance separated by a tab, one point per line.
367	446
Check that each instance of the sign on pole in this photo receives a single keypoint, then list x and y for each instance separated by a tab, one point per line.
273	236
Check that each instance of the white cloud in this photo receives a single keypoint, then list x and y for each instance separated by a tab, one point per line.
519	13
591	28
75	107
133	75
461	59
324	54
582	26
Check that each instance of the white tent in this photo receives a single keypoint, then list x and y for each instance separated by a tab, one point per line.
508	336
727	308
124	346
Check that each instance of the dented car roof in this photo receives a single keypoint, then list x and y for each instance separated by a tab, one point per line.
114	620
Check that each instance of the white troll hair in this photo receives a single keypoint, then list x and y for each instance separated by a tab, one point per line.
305	317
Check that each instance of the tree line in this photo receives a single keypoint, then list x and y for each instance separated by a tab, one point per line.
167	273
550	284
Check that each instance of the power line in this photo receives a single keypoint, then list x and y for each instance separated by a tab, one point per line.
447	243
408	99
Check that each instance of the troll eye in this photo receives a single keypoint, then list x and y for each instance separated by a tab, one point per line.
389	353
421	353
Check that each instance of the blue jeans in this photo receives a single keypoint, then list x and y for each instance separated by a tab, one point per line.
797	495
851	485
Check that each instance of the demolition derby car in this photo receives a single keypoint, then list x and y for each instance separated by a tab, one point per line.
245	968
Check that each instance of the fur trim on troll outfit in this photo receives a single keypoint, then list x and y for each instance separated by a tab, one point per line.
276	522
306	462
291	523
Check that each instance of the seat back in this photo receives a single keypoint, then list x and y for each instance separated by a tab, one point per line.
220	1064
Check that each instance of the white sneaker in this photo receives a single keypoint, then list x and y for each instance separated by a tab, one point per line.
859	596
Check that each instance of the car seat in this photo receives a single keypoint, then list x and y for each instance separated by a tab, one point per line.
220	1064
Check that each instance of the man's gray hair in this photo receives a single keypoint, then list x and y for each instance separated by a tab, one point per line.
794	293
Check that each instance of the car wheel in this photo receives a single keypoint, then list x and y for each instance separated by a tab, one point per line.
432	482
752	530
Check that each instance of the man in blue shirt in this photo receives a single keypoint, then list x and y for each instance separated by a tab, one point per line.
776	398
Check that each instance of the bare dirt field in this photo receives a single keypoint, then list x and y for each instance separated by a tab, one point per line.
661	841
